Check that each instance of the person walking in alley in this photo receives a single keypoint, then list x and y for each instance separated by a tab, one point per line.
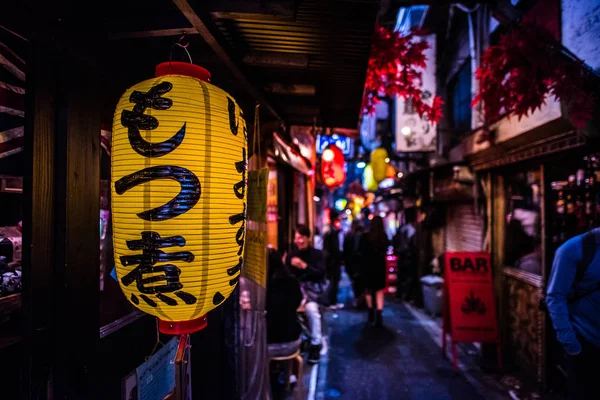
333	258
405	248
352	260
308	265
573	301
373	249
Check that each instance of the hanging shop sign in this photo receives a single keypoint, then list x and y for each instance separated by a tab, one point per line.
179	161
368	132
379	163
290	155
332	166
255	252
304	138
414	133
345	144
469	304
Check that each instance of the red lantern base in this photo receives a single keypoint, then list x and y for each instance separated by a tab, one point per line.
182	327
182	68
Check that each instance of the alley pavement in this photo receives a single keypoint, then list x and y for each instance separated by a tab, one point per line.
398	361
402	360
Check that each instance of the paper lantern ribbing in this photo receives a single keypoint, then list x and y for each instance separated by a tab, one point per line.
332	166
378	163
179	162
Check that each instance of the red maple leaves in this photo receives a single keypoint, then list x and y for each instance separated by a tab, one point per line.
395	66
516	75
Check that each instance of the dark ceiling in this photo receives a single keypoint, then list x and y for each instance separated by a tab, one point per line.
304	60
311	61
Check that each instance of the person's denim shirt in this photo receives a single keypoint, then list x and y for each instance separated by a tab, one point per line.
581	317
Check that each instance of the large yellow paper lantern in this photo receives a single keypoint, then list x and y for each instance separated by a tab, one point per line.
369	182
379	163
179	161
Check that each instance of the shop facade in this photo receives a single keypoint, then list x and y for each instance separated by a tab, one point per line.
541	174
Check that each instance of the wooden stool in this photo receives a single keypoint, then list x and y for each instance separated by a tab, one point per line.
299	363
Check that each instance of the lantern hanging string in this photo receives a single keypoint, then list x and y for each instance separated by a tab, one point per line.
256	135
157	342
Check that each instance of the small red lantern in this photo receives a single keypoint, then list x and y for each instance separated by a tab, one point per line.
332	166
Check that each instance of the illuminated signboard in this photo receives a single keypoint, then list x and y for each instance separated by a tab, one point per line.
344	143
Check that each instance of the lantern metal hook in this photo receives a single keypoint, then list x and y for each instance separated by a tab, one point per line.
182	43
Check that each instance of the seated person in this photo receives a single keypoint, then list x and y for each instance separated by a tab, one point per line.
283	298
308	266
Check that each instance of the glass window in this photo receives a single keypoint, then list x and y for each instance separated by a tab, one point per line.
460	99
522	233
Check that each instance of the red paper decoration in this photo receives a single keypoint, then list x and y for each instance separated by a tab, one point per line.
332	166
516	75
393	69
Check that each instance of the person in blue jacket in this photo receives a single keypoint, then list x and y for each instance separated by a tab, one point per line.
573	301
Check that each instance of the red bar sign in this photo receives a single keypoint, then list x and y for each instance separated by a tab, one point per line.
470	305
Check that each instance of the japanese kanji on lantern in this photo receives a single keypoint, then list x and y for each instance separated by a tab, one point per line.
179	162
332	166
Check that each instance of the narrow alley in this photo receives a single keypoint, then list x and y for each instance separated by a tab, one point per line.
300	199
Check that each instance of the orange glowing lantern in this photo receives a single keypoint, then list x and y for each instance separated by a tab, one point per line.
390	172
332	166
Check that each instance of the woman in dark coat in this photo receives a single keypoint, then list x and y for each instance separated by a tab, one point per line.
373	252
283	299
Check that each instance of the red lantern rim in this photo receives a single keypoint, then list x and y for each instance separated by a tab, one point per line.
182	327
182	68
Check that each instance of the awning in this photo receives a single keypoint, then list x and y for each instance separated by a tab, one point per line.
289	155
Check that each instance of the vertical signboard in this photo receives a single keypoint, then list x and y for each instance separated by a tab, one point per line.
413	133
255	263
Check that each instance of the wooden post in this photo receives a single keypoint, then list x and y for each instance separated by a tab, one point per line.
61	235
38	223
77	233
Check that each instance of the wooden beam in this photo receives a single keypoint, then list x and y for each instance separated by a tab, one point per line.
210	37
291	89
152	33
276	59
256	10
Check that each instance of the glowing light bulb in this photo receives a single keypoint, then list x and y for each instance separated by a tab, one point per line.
316	198
406	130
361	164
387	160
348	212
400	175
328	155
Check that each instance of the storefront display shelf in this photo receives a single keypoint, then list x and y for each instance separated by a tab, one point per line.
9	303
